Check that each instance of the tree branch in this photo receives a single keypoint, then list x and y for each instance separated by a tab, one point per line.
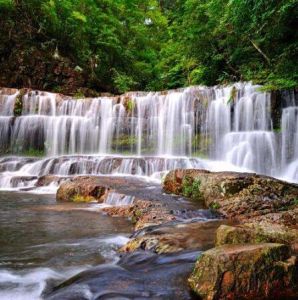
260	51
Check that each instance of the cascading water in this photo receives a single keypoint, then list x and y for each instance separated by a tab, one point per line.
145	133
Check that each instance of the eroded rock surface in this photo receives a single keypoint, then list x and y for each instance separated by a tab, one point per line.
246	272
235	195
49	179
174	237
81	189
255	233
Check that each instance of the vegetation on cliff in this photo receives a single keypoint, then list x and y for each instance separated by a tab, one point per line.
74	46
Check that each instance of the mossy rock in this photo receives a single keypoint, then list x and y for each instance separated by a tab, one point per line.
255	233
18	105
81	190
260	271
234	195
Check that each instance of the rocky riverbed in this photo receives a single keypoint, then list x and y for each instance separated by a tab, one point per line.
244	224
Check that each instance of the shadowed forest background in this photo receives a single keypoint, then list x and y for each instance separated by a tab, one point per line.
83	47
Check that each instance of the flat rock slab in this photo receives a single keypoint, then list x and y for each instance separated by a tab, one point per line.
170	238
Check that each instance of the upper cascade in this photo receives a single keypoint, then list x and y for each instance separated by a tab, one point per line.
236	124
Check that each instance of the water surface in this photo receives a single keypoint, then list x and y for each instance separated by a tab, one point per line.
45	242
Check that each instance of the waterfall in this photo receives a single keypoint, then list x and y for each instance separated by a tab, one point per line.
289	151
146	134
116	199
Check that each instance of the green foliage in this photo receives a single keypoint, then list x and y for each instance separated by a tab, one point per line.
34	152
123	82
81	199
215	205
120	45
18	105
79	95
191	188
130	105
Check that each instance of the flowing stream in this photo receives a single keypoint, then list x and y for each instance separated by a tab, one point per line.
138	134
44	243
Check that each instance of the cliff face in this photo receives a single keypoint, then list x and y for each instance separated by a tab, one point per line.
39	69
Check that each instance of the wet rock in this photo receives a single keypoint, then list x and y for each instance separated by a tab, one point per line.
143	213
21	180
81	189
246	272
49	179
174	237
212	185
139	275
288	217
234	195
147	213
255	233
118	211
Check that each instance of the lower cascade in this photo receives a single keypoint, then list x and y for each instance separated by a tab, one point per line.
237	127
135	192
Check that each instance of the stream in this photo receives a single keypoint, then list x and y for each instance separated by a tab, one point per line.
43	243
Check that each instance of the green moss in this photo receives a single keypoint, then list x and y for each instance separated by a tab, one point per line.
18	105
79	198
200	154
233	95
191	188
79	95
125	141
34	152
215	205
138	213
130	105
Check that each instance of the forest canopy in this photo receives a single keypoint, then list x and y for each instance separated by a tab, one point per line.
87	46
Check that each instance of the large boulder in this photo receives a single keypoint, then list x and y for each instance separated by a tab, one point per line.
81	189
260	271
234	195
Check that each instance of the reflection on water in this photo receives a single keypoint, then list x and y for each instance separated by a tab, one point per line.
42	240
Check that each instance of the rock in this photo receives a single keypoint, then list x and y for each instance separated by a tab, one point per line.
81	189
23	180
246	272
169	238
288	217
234	195
212	184
118	211
255	233
140	275
143	213
48	179
147	213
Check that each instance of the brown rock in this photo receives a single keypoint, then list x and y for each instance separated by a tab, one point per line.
48	179
246	272
119	211
175	237
255	233
150	213
81	189
234	195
